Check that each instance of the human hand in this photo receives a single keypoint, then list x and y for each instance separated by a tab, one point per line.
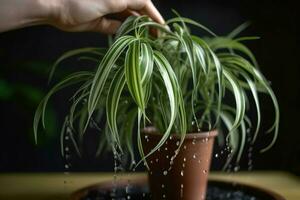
92	15
73	15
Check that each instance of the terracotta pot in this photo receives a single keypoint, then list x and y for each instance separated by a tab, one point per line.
186	177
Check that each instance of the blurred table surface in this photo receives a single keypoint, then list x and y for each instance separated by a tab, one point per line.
58	186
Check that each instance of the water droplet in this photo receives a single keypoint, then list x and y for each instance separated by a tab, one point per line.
194	141
184	147
204	140
172	161
164	196
236	168
66	166
68	130
177	143
194	156
156	160
184	159
67	149
128	197
165	172
181	173
216	155
202	197
193	123
183	165
204	171
171	137
162	186
199	161
67	137
181	190
166	148
127	187
151	161
167	156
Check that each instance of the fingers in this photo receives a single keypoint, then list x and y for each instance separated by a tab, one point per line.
121	16
146	7
102	25
152	12
110	19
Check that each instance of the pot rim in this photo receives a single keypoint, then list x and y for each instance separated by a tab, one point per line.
248	187
78	194
151	130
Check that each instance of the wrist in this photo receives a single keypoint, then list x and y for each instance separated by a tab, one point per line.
22	13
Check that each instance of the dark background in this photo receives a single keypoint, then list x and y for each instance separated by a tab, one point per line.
27	54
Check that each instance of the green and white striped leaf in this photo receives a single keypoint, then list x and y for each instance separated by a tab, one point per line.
112	104
105	68
133	74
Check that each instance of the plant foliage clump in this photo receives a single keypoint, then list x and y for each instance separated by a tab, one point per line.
175	81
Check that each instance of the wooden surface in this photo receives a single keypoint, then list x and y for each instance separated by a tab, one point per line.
56	186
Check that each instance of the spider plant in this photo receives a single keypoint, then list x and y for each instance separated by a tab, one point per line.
177	82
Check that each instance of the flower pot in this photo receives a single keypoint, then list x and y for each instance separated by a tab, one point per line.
184	176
